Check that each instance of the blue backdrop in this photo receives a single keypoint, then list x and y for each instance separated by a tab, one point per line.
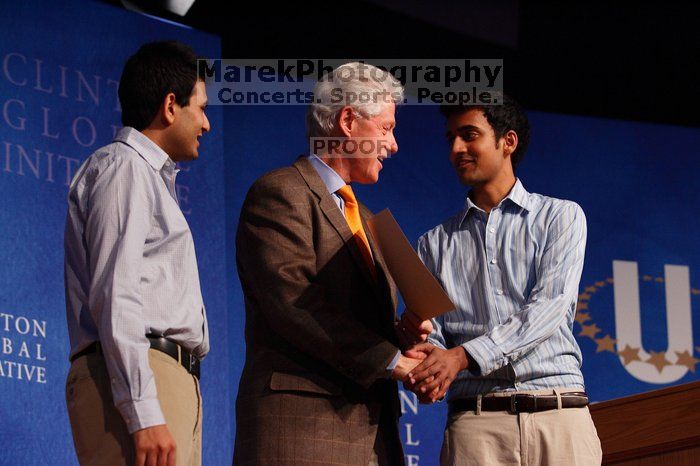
58	79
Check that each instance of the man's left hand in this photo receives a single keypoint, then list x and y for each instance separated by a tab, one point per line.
431	378
412	329
405	365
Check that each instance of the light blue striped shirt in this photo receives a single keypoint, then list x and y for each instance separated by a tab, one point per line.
513	276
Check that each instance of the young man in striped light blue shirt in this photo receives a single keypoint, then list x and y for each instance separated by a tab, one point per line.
511	262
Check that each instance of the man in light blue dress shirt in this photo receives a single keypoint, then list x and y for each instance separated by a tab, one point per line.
136	319
511	262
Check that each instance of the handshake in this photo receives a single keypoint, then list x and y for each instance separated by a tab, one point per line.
424	368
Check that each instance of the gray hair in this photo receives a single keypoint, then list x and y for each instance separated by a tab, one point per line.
364	87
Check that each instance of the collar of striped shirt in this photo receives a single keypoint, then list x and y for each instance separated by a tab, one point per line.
517	195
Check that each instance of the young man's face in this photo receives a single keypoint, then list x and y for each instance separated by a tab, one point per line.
474	152
190	123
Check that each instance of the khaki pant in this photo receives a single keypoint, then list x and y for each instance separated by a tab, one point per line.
564	437
99	432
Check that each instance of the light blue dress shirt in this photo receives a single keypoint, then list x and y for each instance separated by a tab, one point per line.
513	276
131	269
330	178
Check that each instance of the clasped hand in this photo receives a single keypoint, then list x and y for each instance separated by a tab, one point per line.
412	329
424	368
438	368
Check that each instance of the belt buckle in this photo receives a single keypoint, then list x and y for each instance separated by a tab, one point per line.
193	366
517	397
514	403
198	369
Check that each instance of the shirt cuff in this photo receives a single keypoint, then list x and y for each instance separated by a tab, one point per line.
392	365
487	355
435	342
141	414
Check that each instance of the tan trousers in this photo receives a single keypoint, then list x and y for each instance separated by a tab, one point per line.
564	437
99	432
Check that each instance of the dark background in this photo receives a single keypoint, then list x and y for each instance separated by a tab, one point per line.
629	60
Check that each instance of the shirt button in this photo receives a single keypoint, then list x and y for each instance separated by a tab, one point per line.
492	230
493	261
499	291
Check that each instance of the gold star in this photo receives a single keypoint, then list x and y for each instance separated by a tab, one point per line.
581	305
659	280
591	289
695	291
647	278
658	360
600	284
687	360
610	280
605	344
589	331
629	354
584	297
582	317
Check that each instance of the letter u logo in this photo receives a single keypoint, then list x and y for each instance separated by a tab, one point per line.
628	326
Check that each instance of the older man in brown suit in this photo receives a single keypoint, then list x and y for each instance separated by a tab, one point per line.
322	350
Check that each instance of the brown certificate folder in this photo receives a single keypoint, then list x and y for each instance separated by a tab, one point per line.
421	292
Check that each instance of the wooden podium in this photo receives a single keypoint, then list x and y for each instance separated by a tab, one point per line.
661	427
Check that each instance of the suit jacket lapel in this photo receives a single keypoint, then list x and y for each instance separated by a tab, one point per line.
333	214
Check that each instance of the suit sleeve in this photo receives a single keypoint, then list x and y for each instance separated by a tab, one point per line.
277	267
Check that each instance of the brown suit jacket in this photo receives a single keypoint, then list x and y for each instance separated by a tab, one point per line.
319	330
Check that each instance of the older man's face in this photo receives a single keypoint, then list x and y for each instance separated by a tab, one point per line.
376	133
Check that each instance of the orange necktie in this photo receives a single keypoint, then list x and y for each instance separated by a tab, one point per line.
352	215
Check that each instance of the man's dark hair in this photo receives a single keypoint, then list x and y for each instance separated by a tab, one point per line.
504	116
157	69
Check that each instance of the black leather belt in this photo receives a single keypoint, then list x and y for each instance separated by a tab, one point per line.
175	351
520	402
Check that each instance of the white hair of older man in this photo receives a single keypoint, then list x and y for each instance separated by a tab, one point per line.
339	87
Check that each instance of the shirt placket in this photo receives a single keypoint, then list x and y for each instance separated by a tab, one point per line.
492	263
